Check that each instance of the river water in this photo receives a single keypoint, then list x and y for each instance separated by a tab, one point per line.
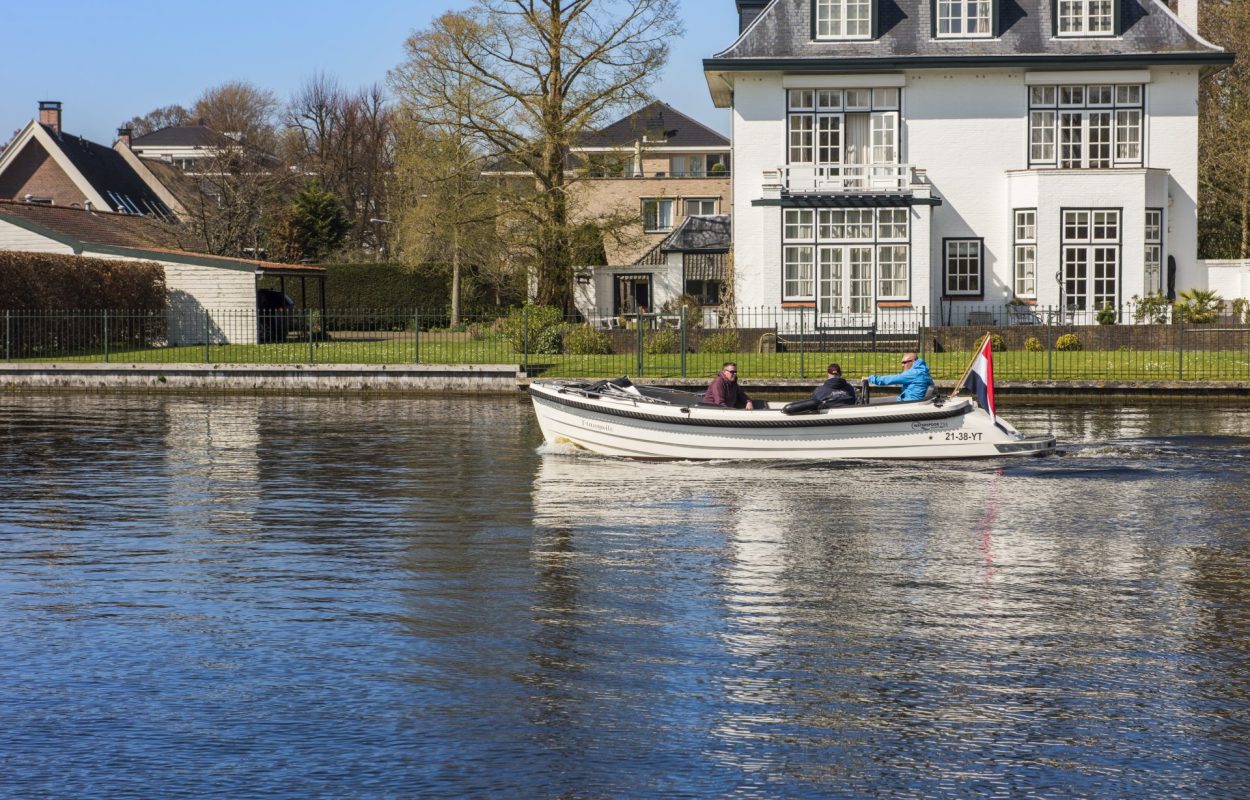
327	597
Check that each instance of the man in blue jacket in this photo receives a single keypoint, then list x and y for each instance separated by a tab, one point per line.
913	381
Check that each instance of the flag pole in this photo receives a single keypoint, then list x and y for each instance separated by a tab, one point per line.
976	353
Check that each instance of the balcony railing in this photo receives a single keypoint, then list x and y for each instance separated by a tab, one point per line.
839	178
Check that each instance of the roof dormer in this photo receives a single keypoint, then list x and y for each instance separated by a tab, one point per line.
839	20
1085	18
964	19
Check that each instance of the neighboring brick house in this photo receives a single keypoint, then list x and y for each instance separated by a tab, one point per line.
45	165
944	156
664	167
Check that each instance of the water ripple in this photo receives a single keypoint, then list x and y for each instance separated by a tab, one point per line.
297	597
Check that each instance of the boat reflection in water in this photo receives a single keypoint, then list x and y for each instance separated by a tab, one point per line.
880	615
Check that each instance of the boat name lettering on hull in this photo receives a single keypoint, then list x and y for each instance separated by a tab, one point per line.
927	426
596	426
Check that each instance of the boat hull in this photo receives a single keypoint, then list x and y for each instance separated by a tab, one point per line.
637	428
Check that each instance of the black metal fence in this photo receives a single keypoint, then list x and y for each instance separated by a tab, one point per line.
1030	343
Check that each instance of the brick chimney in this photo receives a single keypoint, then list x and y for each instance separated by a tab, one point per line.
1187	10
50	114
123	135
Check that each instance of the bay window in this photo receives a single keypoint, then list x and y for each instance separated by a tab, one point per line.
1091	258
1153	260
831	255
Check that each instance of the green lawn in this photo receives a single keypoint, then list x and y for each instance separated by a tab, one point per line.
441	348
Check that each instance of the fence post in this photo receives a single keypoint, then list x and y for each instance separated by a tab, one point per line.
416	337
682	343
308	320
803	343
525	339
638	325
206	336
106	336
1050	348
1180	347
924	323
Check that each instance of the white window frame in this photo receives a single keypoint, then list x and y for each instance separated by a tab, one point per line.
798	272
1090	257
1024	260
1152	262
963	259
964	19
1085	17
893	271
809	236
654	223
1096	126
844	19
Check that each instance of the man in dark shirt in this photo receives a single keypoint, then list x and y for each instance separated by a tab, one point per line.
835	391
724	391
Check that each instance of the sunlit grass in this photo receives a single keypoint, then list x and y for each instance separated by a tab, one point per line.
450	348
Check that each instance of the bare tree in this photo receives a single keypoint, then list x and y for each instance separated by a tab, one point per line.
242	111
1224	137
345	139
448	212
543	73
158	119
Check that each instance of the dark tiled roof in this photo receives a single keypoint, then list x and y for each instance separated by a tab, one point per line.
182	136
109	174
784	31
96	227
123	230
679	129
700	234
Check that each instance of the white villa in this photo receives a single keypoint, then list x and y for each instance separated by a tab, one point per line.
949	155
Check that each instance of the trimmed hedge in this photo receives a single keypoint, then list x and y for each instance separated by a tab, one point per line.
384	287
55	282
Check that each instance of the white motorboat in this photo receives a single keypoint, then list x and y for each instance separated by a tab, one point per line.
618	418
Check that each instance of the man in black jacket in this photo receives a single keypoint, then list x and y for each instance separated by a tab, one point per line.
835	391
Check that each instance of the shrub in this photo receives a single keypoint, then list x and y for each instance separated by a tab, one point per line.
665	340
1199	306
996	342
725	340
1107	315
688	308
1069	342
541	327
585	340
1241	310
1153	308
54	282
1033	345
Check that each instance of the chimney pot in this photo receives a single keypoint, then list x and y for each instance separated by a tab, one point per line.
123	134
50	114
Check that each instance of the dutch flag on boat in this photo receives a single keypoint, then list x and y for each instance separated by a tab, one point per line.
981	376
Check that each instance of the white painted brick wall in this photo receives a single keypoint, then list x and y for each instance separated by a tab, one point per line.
969	130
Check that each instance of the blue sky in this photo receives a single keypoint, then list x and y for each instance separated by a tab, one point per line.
109	62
